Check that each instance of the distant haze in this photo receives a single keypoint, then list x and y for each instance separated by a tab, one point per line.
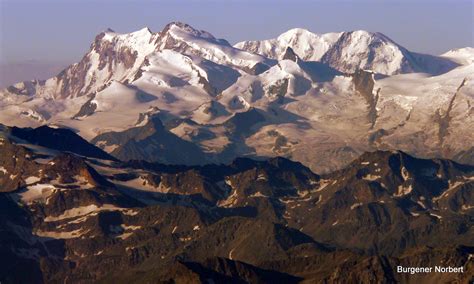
13	72
39	38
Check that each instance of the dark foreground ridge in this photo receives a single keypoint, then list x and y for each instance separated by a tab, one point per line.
79	217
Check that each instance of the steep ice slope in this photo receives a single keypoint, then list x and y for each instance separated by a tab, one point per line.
171	69
172	82
434	113
463	56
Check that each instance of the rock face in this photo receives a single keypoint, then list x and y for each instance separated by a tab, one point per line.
290	55
66	217
59	139
151	142
15	164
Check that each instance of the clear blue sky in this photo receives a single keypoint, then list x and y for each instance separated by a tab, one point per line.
54	30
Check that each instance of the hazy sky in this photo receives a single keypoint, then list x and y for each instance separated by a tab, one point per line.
61	31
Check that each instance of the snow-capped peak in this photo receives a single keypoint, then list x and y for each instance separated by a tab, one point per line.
296	33
464	56
137	40
107	35
366	50
143	32
307	45
180	29
185	39
370	35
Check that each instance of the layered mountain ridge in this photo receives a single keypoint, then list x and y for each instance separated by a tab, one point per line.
67	216
340	94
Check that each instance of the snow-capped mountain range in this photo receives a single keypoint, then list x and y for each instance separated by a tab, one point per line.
349	51
310	97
